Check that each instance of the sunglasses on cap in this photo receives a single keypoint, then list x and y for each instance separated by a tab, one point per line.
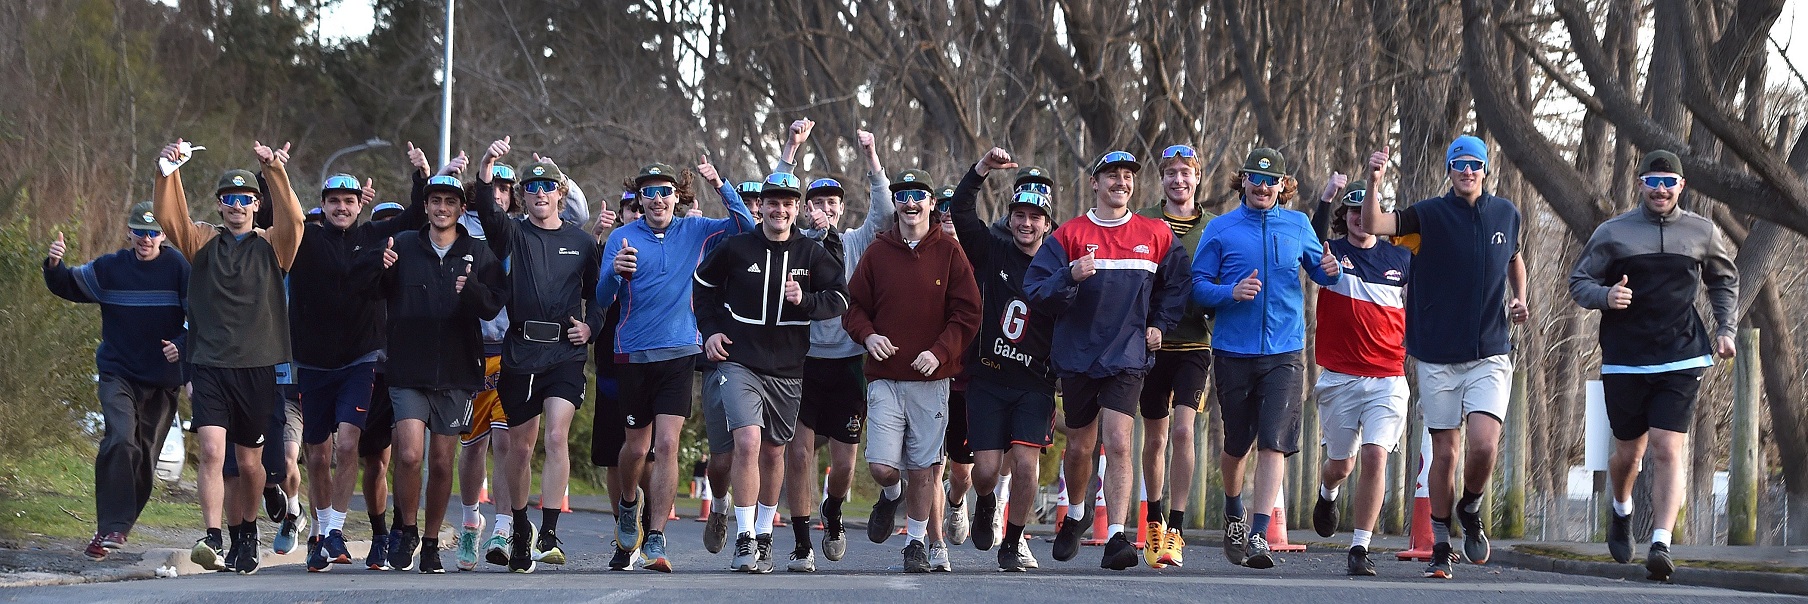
1466	165
656	191
1116	157
824	182
502	172
783	179
910	195
1035	187
539	186
238	200
1262	180
1178	151
146	233
1040	200
341	182
1661	182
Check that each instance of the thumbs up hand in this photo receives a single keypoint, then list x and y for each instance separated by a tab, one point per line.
57	249
794	293
458	285
708	171
1378	164
624	260
1247	289
1329	264
389	255
1619	296
578	333
170	353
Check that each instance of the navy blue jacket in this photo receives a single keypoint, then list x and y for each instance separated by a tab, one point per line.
1457	309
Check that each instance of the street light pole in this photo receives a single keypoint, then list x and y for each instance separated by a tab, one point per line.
445	94
326	169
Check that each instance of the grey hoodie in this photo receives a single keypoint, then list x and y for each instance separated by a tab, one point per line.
827	339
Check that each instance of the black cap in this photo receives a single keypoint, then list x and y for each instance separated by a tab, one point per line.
781	183
1116	159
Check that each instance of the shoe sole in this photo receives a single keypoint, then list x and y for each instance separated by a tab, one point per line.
800	569
525	571
1362	573
551	559
1439	574
659	564
207	558
1260	561
1469	555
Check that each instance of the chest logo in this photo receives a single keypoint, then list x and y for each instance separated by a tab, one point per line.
1092	247
753	268
1392	274
1346	264
1002	275
1499	238
566	252
1141	249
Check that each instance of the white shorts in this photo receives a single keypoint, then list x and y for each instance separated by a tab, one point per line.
906	423
1355	411
1449	393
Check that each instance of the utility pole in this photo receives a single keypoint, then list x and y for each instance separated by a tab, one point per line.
445	93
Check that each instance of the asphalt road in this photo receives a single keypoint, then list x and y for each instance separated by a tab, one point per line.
868	574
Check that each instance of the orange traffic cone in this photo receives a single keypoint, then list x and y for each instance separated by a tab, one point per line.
1061	496
1420	539
1099	523
1142	513
778	520
483	495
703	508
565	504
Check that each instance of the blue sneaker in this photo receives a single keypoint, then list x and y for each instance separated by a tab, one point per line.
378	558
627	527
334	545
292	526
317	562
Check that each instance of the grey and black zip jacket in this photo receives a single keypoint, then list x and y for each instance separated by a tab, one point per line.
1666	259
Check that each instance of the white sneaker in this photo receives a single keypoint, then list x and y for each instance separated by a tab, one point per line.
1024	557
958	523
938	558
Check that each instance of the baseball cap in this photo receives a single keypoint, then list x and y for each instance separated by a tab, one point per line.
340	182
912	179
1467	145
655	171
1263	160
541	170
1029	174
236	180
1661	161
443	182
1116	159
141	217
385	210
781	183
1032	199
825	186
1356	186
502	172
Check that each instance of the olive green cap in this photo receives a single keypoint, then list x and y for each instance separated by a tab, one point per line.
912	179
656	171
1355	185
240	180
541	170
141	217
1661	161
1029	174
1264	160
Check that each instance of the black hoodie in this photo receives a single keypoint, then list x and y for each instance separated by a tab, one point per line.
739	291
435	340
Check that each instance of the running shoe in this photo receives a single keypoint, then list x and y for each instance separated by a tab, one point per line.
496	549
938	558
1236	531
232	554
985	524
834	541
521	558
1008	560
317	562
955	518
1475	536
745	554
288	534
1256	554
95	551
1441	557
376	559
1067	538
276	503
467	545
627	526
1324	517
402	545
654	551
1174	554
1120	553
247	562
430	562
622	559
1619	538
546	549
1658	563
916	557
884	519
804	563
715	532
1157	547
763	560
334	546
1360	564
113	540
1024	556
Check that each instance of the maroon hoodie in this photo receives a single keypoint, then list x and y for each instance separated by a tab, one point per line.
922	299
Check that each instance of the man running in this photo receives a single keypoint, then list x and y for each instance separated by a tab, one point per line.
1010	410
1107	330
649	272
916	306
756	296
1654	346
142	291
1362	391
238	333
1457	322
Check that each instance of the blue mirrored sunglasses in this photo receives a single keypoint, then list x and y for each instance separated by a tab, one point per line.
539	186
146	233
341	181
238	199
1357	196
1262	180
502	172
1116	156
782	179
1178	150
748	187
1466	165
1035	187
910	195
1032	198
942	207
1662	182
656	191
824	182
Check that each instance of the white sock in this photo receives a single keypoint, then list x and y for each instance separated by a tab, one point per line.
915	529
1360	538
335	522
1075	512
1326	493
1004	488
294	505
472	516
505	524
1660	536
1623	508
322	518
1114	529
893	492
744	518
762	524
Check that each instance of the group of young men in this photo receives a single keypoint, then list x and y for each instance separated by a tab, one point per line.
940	338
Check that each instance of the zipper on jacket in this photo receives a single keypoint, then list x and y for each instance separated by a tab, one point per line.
1267	263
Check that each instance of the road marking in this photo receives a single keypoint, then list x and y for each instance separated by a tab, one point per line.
619	595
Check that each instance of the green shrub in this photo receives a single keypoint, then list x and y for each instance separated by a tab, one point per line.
46	348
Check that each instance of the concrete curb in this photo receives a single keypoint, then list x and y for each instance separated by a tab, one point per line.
1782	583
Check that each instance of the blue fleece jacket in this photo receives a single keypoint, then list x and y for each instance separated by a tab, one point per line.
657	318
1279	243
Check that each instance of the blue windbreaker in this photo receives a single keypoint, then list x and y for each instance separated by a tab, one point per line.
1279	243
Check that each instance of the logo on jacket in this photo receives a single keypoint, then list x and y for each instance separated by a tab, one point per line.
1392	274
566	252
1141	249
1499	237
1344	262
468	258
1092	247
1002	275
753	268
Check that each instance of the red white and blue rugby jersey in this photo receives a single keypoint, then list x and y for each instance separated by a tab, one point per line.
1362	319
1101	323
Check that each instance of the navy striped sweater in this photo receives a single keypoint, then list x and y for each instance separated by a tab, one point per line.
141	304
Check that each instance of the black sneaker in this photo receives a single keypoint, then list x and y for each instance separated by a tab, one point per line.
1324	517
430	564
1475	537
248	555
763	557
207	553
984	530
1659	564
884	520
1236	531
1009	561
232	554
376	559
622	559
402	545
1441	557
317	562
1256	554
1067	538
521	555
1120	553
1360	564
276	503
916	557
1619	538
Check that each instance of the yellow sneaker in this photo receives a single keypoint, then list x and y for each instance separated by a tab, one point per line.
1174	548
1156	548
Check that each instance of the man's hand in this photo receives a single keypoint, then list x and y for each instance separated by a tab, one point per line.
170	353
458	285
389	255
368	194
693	213
794	293
818	219
708	170
578	333
1516	310
57	249
1378	165
926	363
1723	346
624	260
866	140
605	220
171	151
496	150
456	166
418	159
1332	185
1619	296
1247	289
799	132
1328	264
714	347
266	156
996	159
1153	338
1083	267
880	347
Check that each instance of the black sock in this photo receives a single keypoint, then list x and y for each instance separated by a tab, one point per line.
988	501
800	528
378	524
651	532
1176	519
1469	498
831	510
410	529
522	526
957	502
235	532
549	520
214	534
1155	511
1012	532
251	529
625	504
430	545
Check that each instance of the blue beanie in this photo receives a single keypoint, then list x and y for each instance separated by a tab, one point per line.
1467	145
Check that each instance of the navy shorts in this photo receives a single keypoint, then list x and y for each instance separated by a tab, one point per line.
999	416
332	397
